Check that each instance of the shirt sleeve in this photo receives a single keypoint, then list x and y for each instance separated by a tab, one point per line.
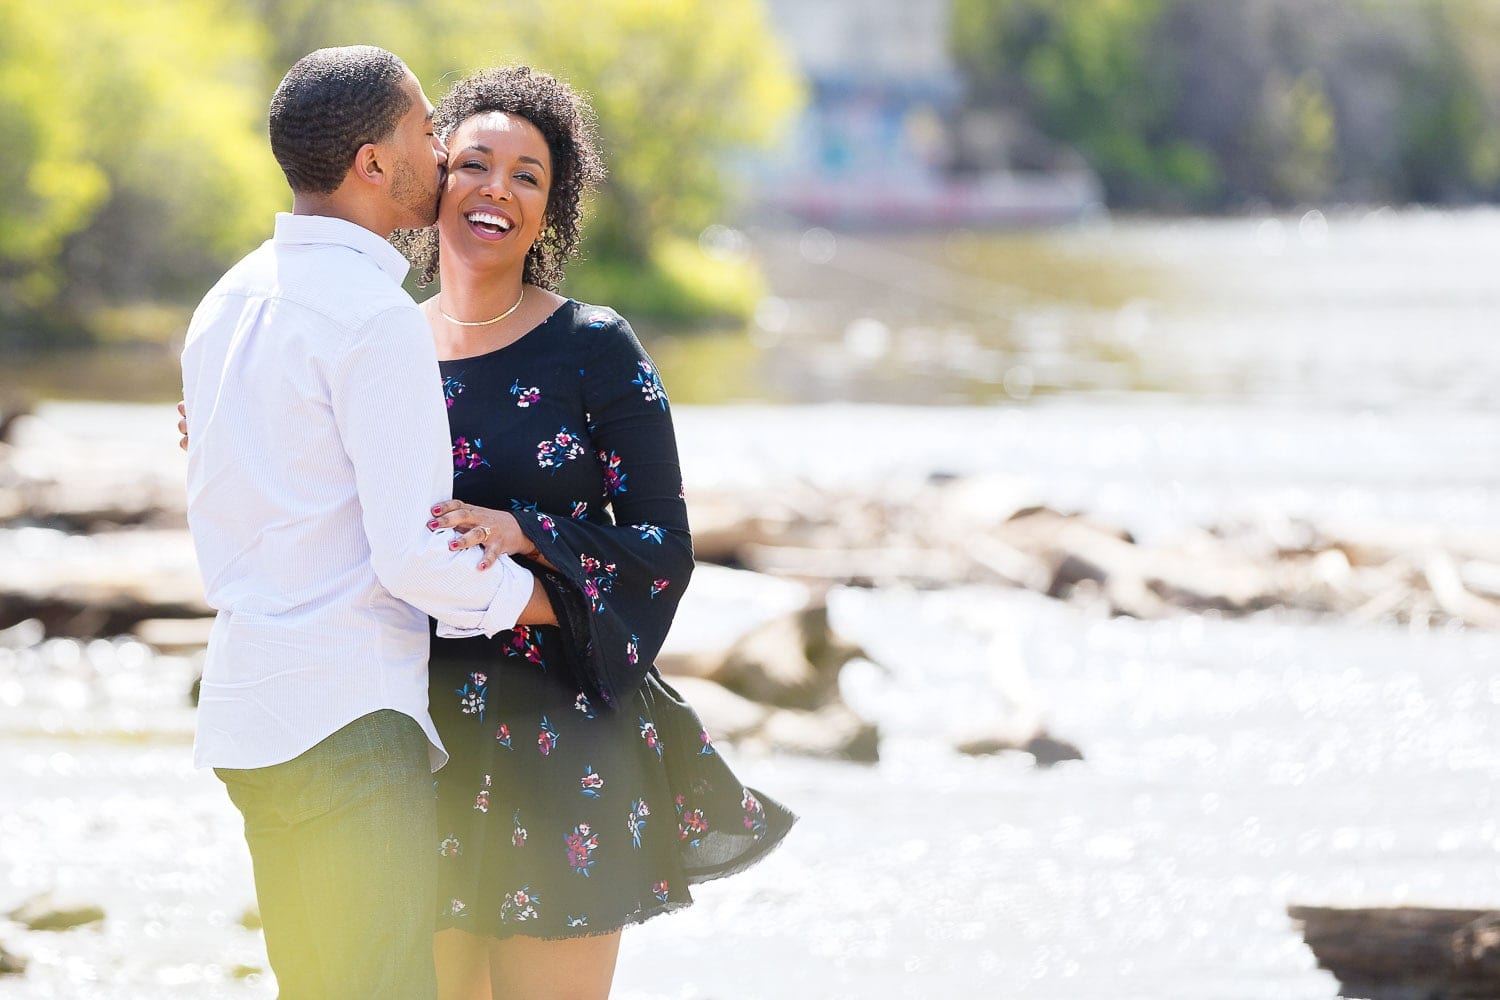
631	574
395	432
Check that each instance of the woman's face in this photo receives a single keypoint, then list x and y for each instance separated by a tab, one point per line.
495	201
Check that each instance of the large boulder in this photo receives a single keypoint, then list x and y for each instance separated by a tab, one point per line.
764	638
1405	952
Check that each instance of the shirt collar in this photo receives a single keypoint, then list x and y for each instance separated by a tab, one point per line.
322	230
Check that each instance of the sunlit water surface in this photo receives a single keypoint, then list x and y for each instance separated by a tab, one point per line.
1232	767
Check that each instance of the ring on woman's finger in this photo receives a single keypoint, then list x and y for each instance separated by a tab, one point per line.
486	529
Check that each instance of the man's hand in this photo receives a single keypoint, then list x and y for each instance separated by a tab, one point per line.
182	424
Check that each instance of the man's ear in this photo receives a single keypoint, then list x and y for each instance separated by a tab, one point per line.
367	166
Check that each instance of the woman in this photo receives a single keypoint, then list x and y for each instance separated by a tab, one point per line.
581	795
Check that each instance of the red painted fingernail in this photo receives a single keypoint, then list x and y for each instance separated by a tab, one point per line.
432	524
484	565
437	510
452	545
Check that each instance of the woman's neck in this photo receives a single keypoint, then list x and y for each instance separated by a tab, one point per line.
475	296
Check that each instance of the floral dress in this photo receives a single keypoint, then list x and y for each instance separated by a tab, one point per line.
581	793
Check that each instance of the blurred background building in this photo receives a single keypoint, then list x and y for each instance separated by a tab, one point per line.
886	139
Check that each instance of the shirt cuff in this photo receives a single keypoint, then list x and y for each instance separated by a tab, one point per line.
510	600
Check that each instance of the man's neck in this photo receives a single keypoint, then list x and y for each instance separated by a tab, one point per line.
334	207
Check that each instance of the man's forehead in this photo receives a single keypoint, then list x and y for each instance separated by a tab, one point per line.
418	95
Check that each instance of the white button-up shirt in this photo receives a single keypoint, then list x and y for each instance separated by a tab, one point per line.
319	446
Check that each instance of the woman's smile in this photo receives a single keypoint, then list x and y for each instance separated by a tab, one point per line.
489	224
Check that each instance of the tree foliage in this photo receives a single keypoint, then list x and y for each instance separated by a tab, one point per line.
137	152
136	165
1199	103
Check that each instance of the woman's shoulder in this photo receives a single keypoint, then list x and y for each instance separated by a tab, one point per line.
599	319
602	333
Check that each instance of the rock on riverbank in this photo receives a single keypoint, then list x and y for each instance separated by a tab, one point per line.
93	543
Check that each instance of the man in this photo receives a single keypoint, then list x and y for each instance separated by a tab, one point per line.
319	447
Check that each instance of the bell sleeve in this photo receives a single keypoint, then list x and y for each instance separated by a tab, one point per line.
627	577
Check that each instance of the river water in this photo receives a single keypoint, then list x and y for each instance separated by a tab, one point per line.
1157	375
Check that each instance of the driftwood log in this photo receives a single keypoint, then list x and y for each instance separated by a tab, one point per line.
1406	952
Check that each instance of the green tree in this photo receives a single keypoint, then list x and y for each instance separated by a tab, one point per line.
1088	73
1449	118
50	190
143	164
136	164
1204	103
1295	135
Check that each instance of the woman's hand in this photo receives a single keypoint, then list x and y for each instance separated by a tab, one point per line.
182	424
494	531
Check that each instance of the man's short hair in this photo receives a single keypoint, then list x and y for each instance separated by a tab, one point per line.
330	103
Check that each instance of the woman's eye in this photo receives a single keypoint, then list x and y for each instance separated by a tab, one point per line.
528	178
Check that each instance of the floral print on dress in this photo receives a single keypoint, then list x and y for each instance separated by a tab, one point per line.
457	908
648	733
592	783
580	510
466	455
691	825
471	695
582	921
598	580
582	704
614	479
450	847
520	905
518	835
525	641
659	584
650	383
452	388
706	749
542	518
563	447
755	815
597	321
582	843
502	736
525	397
661	890
636	822
546	739
632	650
650	532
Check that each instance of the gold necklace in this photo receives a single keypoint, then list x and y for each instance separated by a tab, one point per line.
485	322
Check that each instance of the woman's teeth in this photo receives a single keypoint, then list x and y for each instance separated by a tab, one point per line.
490	221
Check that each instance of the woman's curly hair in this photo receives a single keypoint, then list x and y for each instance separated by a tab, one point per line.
566	122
